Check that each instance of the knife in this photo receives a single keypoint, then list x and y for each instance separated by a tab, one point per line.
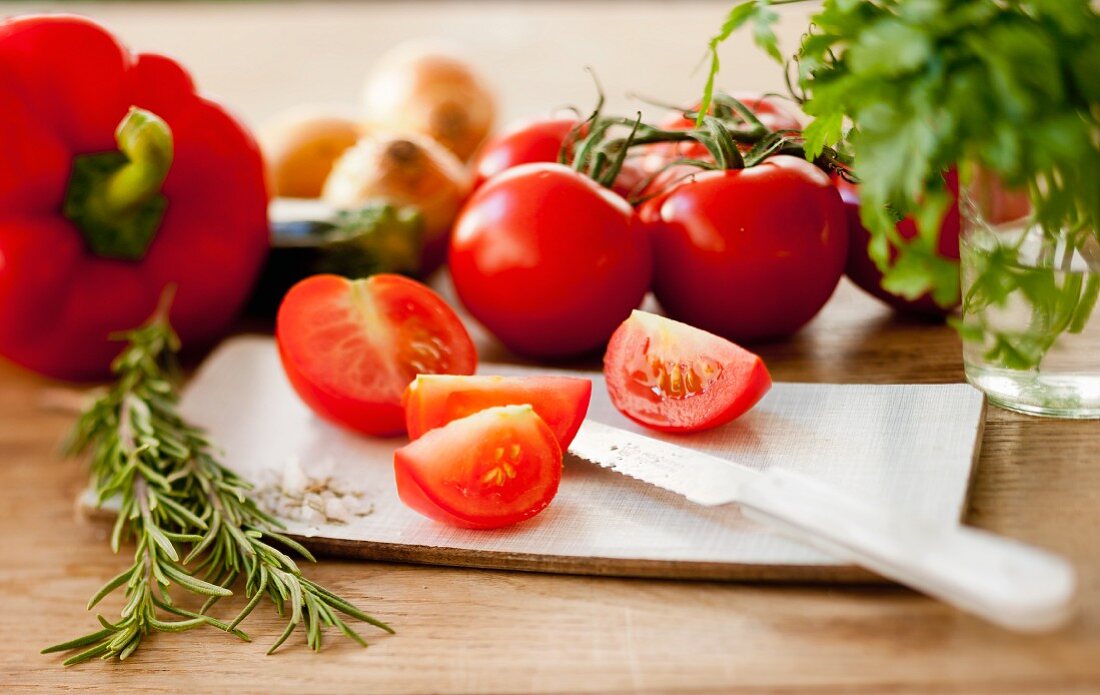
1003	581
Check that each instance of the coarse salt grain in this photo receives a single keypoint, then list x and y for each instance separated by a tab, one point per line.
310	496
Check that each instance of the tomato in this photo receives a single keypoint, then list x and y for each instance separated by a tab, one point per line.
863	271
672	377
748	254
350	347
487	470
434	400
536	140
550	262
540	140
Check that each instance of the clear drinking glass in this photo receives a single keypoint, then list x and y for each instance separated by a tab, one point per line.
1031	326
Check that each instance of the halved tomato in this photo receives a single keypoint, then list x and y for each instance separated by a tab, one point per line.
490	469
673	377
350	347
433	400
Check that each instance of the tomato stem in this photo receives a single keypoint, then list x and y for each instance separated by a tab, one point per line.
568	145
608	179
725	101
731	132
721	144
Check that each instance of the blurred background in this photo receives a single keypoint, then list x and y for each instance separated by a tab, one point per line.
261	57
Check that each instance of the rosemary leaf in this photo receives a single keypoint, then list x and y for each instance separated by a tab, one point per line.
176	501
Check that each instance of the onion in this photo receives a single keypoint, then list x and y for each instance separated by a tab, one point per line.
420	88
300	146
404	169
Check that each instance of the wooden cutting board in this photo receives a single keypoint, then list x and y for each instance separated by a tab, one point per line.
907	447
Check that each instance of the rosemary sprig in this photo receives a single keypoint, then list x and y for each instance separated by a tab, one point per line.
173	495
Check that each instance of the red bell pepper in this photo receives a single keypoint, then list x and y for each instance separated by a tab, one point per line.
116	180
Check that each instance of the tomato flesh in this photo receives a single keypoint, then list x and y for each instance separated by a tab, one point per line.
491	469
672	377
349	348
433	400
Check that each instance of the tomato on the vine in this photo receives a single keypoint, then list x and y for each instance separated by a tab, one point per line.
749	254
672	377
549	261
490	469
350	347
771	111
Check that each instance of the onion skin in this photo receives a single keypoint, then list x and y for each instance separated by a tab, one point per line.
404	169
301	145
419	88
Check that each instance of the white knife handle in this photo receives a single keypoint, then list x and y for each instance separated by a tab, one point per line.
1004	581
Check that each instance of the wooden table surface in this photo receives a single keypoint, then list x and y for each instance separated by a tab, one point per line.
469	630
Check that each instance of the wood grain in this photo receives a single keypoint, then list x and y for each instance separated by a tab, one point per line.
491	631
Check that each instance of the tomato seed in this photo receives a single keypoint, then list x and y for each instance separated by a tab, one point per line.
678	380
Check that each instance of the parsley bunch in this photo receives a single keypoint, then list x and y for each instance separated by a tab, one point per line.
916	87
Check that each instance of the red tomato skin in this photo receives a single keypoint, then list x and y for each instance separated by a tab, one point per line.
561	401
421	493
416	498
540	140
865	274
535	140
750	254
549	261
745	379
376	415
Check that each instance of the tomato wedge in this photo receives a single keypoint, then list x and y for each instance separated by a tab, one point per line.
487	470
433	400
350	347
673	377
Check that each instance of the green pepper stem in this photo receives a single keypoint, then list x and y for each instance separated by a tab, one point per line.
147	143
114	197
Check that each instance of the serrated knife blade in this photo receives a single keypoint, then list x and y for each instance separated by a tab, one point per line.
1004	581
701	478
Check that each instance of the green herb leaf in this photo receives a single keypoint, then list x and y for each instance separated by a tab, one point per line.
174	493
1008	87
763	18
762	32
